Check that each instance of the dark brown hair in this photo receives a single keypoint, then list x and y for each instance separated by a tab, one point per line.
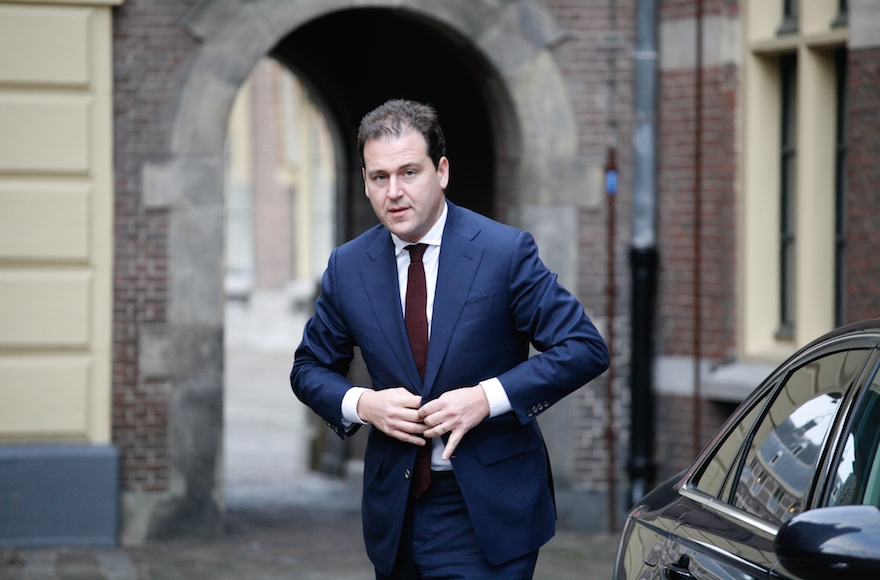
393	118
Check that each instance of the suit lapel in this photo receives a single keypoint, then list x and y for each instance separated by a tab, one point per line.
459	261
379	277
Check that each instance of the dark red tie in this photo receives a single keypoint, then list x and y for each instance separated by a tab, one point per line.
416	320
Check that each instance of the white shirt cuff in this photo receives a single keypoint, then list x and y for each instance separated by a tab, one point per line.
350	405
497	397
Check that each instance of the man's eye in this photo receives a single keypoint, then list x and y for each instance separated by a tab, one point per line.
410	172
379	178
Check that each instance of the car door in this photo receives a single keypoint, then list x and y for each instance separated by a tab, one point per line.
700	545
645	541
729	530
854	475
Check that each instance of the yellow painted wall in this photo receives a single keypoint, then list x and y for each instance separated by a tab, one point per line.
759	281
56	220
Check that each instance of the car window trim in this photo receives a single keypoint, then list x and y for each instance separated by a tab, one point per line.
817	473
869	340
739	459
720	437
844	424
709	502
816	489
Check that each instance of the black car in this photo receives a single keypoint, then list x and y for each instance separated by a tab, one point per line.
788	488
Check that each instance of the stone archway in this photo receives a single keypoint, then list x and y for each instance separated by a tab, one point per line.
539	173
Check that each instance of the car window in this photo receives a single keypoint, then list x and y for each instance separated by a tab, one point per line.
857	476
788	440
718	465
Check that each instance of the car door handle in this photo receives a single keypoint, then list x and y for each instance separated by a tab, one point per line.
678	570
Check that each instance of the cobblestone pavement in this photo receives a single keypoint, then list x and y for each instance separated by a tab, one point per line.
260	546
283	521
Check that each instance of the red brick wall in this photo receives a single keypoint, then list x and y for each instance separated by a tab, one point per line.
676	224
150	55
676	445
273	262
590	58
671	9
676	199
863	190
676	205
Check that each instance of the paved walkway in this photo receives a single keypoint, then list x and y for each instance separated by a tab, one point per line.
294	544
283	520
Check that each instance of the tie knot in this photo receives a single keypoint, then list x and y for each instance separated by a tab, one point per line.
416	251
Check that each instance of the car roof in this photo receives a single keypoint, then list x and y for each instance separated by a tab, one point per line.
871	324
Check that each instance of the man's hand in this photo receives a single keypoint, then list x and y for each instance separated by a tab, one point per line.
395	412
456	412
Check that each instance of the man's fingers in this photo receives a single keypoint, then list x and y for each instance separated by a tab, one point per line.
451	444
394	412
408	438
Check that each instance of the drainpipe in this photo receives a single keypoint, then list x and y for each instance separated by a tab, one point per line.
698	233
643	257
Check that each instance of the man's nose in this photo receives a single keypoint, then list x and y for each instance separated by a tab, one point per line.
395	188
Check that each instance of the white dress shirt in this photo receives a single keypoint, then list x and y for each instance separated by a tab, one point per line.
499	403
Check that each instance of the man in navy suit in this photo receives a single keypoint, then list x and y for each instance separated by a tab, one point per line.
472	400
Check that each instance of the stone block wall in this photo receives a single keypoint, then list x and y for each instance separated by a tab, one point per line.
151	52
595	60
158	388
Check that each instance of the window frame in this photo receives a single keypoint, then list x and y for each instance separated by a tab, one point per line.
765	395
790	17
758	271
788	194
840	186
869	371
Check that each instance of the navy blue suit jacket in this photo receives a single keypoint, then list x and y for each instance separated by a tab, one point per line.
494	298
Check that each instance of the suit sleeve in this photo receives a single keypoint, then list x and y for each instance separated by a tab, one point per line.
322	360
571	351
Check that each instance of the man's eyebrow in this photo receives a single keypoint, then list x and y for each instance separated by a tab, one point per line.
404	167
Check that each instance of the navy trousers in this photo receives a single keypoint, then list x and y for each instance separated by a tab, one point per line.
439	543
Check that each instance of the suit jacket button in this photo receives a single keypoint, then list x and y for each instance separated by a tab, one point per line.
406	473
529	413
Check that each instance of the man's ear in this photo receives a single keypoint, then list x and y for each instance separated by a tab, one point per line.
364	175
443	172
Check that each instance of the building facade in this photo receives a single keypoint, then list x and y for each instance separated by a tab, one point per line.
777	254
113	123
56	272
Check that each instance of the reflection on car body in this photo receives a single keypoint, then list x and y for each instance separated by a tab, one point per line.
760	496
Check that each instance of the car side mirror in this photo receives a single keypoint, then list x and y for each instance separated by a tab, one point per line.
832	542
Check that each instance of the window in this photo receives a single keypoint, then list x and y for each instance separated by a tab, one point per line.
717	467
791	273
840	193
774	480
857	479
787	196
842	14
789	17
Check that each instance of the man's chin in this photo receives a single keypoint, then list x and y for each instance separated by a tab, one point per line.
400	229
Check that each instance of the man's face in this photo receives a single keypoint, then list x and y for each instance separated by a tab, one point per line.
404	188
